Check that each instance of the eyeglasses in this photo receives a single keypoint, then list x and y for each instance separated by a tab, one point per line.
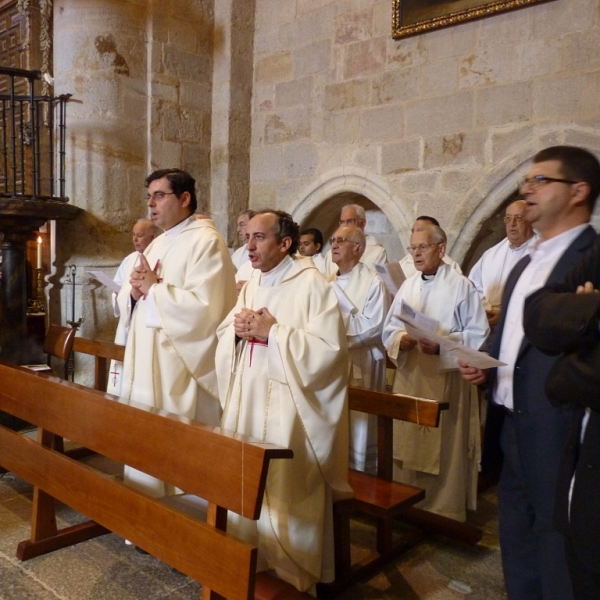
340	240
538	181
158	195
421	247
511	218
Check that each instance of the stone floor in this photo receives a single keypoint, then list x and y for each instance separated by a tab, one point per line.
107	569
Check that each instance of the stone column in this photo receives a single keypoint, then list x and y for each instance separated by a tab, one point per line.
140	75
231	115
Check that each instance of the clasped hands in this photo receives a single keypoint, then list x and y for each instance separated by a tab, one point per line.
426	346
250	323
142	279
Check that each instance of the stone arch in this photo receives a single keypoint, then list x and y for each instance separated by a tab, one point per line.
498	186
319	205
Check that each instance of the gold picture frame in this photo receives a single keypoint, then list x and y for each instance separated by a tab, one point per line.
411	17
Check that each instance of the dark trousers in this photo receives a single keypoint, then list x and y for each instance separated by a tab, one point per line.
533	552
586	583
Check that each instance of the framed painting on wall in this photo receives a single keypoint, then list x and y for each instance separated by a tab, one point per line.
411	17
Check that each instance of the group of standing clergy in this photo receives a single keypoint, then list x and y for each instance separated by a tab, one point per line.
273	358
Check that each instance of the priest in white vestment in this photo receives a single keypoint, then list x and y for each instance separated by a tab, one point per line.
374	254
311	246
490	272
282	363
240	256
144	231
178	294
407	263
444	460
364	303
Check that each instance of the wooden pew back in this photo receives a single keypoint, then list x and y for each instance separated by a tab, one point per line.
172	448
102	352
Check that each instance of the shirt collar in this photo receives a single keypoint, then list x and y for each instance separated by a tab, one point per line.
559	243
176	229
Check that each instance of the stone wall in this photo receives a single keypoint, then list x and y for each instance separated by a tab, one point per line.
442	123
141	77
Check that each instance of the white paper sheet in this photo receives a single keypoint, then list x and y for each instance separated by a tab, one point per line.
419	326
106	280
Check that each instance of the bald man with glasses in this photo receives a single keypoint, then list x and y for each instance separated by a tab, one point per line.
490	272
364	302
355	215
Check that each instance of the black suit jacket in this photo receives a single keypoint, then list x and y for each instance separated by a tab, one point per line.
542	428
557	320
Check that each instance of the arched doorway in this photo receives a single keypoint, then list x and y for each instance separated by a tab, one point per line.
320	205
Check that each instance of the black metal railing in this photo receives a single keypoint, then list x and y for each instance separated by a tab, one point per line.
32	138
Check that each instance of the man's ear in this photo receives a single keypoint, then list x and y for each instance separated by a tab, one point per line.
185	199
318	248
285	244
581	191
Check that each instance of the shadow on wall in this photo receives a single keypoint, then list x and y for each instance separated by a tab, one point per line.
326	216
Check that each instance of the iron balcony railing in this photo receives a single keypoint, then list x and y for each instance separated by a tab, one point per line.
32	138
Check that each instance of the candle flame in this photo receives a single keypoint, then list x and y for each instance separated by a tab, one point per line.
39	240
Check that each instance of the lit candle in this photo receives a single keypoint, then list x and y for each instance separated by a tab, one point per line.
39	252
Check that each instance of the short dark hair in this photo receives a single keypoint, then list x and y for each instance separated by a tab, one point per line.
316	233
180	182
577	164
249	213
430	219
284	227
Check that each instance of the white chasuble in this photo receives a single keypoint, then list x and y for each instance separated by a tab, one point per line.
364	326
443	460
291	391
169	357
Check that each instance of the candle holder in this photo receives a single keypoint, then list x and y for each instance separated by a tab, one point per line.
38	305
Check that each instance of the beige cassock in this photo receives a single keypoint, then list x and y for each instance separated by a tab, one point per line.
364	326
170	364
292	393
442	460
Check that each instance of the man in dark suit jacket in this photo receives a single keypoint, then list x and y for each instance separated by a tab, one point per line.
560	190
565	318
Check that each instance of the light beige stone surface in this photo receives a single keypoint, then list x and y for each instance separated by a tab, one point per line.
267	101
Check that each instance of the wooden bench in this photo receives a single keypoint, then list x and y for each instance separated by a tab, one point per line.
103	353
129	434
377	496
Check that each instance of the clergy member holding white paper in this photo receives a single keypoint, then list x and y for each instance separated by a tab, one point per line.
178	294
144	231
364	303
282	363
443	460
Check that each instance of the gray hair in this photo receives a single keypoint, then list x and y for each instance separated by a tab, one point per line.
436	234
359	236
150	226
360	211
